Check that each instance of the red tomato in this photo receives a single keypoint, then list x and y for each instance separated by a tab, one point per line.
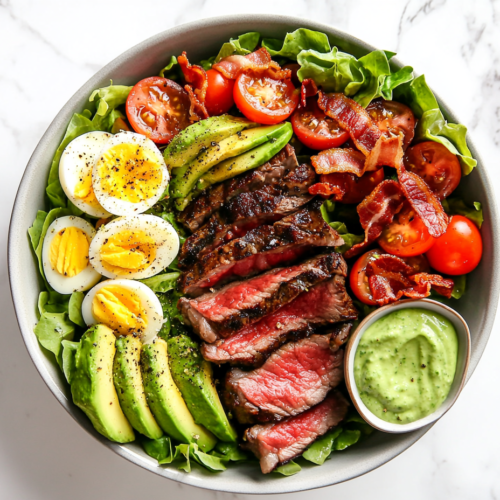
263	99
219	98
406	235
459	250
316	130
439	167
393	118
158	108
358	279
356	188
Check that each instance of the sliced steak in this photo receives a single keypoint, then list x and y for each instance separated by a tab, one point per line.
278	443
293	379
243	302
269	174
322	305
242	214
261	249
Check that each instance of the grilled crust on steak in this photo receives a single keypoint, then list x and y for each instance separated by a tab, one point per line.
261	249
269	174
218	314
242	214
293	379
277	443
325	304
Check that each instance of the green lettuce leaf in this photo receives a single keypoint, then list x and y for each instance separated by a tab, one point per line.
242	45
68	358
296	42
106	100
321	449
349	239
229	452
75	308
457	206
432	126
52	329
160	449
162	282
459	285
172	70
35	231
347	438
417	95
173	322
289	469
52	302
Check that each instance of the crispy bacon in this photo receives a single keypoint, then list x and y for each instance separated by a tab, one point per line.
196	86
388	151
390	278
353	118
423	201
328	190
376	211
338	160
307	89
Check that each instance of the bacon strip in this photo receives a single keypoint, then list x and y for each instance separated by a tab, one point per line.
423	201
353	118
338	160
328	190
388	151
196	86
390	278
307	89
376	211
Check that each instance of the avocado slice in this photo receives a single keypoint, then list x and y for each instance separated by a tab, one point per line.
193	376
249	160
191	141
92	384
184	178
165	399
130	389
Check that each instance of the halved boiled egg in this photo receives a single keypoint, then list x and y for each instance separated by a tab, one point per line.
65	255
75	171
127	307
129	175
136	246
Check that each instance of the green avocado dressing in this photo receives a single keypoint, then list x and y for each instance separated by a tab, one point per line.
405	364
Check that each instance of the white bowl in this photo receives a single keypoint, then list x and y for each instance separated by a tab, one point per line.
202	39
463	359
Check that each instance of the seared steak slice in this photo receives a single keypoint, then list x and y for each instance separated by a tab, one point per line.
294	378
242	214
269	174
261	249
276	444
322	305
243	302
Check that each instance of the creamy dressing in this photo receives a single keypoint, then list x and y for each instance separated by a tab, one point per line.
405	364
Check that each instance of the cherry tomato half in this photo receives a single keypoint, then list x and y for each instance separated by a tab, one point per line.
358	279
356	188
393	118
406	235
438	166
316	130
459	250
263	99
158	108
219	98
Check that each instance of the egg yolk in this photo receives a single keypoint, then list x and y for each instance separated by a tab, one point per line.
120	309
128	251
84	191
69	251
129	172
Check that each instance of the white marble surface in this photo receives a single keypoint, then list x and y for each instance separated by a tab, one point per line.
49	48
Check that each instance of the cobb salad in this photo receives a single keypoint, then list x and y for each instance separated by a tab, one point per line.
213	234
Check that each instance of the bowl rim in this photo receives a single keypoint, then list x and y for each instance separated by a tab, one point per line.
463	335
34	351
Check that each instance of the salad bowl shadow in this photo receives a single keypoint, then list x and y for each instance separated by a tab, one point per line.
200	40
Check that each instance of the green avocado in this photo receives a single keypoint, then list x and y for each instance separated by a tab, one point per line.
184	178
165	399
249	160
92	384
193	140
193	376
130	389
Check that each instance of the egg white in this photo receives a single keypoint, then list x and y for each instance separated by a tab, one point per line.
122	207
77	161
64	284
164	235
149	301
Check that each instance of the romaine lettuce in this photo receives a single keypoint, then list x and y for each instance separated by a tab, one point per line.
162	282
296	42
